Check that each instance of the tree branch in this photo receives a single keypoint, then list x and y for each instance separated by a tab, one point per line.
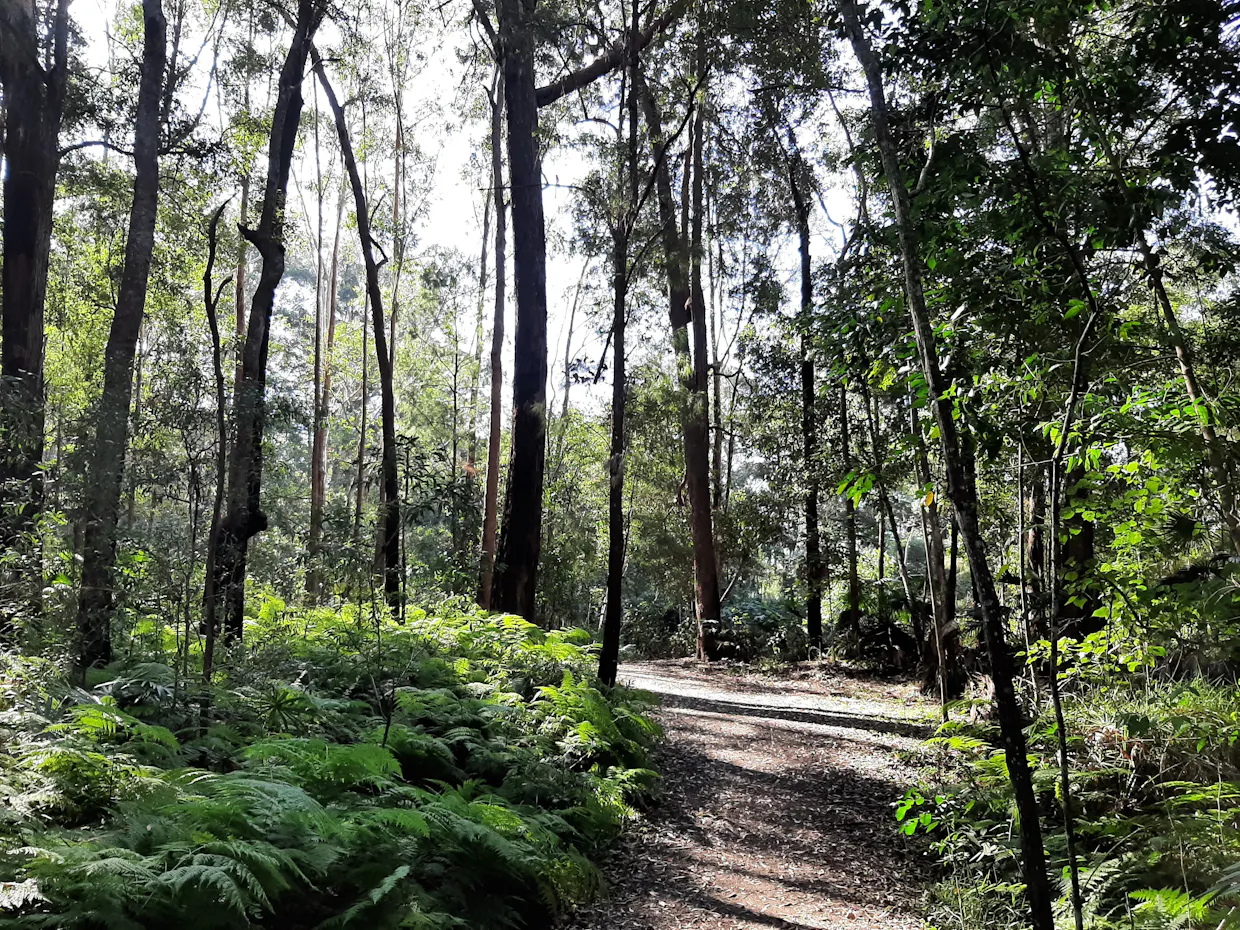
616	56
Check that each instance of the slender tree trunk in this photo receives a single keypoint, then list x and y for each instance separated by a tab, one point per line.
693	409
809	416
612	620
963	492
318	447
244	518
105	481
850	516
516	571
211	301
609	657
490	519
390	515
34	101
312	544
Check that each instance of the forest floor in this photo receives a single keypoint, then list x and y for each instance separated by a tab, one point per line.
777	806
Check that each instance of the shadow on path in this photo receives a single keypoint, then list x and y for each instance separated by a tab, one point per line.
773	815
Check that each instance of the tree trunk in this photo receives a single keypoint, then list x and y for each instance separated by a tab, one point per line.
34	101
693	410
809	417
103	495
318	448
516	570
962	491
211	301
490	518
390	510
609	656
850	517
244	518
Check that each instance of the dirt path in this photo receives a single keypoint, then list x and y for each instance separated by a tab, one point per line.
777	807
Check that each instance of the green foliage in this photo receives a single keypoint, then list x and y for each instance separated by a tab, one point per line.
460	783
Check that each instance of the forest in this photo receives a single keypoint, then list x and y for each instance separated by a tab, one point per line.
604	464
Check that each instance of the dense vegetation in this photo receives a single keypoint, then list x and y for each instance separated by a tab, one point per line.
902	334
452	771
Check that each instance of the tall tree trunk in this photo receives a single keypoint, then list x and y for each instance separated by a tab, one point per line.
390	510
962	491
103	494
693	409
613	619
490	519
34	101
322	407
516	570
211	302
244	518
809	393
316	417
850	516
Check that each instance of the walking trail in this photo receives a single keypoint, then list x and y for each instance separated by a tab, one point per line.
776	808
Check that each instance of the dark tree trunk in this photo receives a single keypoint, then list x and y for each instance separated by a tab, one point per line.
103	494
516	571
609	656
809	416
693	410
490	517
389	520
963	491
244	517
34	101
211	302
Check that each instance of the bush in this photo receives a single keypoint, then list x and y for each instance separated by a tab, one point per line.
456	771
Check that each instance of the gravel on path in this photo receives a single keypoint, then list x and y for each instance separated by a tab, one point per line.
776	808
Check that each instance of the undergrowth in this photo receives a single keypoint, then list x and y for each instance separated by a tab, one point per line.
343	771
1155	781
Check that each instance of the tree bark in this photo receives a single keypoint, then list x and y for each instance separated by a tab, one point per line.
693	410
963	492
103	495
390	510
516	571
490	518
244	518
34	101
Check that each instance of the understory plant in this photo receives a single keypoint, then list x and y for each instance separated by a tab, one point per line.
344	770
